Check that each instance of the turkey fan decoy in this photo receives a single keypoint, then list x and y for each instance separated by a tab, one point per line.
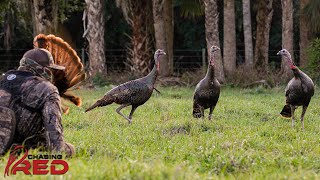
298	92
134	93
207	91
63	55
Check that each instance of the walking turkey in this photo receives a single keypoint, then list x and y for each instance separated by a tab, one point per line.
134	93
299	90
207	91
63	55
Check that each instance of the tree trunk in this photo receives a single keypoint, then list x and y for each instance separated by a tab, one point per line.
247	30
45	16
287	34
141	23
169	24
94	33
264	17
8	28
160	34
138	15
305	34
212	35
229	43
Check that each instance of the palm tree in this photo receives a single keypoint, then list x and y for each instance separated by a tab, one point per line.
8	25
45	16
247	31
263	18
138	15
229	33
169	23
304	33
312	12
160	32
309	20
212	35
94	33
287	33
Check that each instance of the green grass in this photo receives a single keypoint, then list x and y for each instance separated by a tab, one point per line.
247	139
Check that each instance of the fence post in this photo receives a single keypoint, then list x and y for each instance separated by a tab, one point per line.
204	67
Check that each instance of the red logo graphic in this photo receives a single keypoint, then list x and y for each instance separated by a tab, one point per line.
36	164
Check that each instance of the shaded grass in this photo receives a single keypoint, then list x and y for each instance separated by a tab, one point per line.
247	138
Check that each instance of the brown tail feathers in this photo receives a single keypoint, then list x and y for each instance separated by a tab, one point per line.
99	103
74	99
63	54
196	111
286	111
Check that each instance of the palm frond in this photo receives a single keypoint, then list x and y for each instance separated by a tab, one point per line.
312	12
191	8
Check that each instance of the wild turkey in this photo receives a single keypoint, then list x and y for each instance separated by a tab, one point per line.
65	56
207	91
299	90
134	93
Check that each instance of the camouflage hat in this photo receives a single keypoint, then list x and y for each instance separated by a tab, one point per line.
42	57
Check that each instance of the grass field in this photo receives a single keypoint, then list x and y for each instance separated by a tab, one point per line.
247	139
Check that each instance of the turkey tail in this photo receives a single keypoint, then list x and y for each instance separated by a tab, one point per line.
99	103
196	111
65	109
157	90
196	114
286	111
41	41
74	99
63	55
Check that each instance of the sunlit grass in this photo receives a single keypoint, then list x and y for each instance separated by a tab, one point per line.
247	138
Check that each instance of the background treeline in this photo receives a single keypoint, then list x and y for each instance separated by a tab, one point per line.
249	32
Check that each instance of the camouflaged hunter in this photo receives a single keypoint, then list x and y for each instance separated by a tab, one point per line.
30	106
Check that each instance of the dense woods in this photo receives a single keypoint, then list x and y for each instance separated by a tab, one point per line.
249	33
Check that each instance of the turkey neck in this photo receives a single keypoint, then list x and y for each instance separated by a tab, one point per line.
210	73
152	76
293	67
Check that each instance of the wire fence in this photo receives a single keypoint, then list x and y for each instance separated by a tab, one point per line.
116	59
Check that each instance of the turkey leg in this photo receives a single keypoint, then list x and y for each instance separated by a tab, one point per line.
292	114
119	109
132	111
210	112
304	109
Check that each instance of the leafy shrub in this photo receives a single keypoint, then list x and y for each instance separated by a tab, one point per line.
100	80
314	60
253	77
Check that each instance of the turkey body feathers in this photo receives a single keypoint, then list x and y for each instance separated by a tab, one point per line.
205	96
299	91
134	93
207	91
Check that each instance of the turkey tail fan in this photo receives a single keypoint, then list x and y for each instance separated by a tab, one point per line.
74	99
286	111
40	41
63	55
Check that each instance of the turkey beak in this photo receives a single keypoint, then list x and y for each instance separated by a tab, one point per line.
279	53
